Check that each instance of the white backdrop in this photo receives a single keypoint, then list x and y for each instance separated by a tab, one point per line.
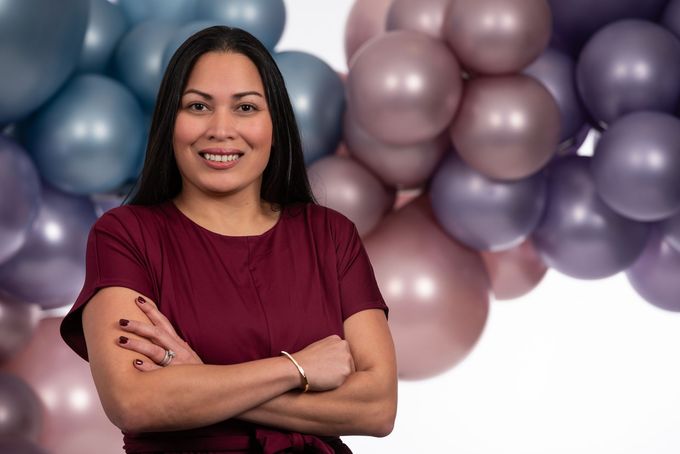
583	367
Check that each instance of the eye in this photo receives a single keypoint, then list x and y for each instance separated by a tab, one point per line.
247	108
197	106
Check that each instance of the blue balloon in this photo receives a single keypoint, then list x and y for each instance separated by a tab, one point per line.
40	44
139	59
87	139
19	196
49	269
318	97
141	10
182	34
265	19
106	26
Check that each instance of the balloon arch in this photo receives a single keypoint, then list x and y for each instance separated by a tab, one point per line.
453	143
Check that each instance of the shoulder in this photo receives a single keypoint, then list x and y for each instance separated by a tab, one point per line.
321	216
133	221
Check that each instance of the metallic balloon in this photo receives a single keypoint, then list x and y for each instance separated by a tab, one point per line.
49	269
579	234
636	166
482	213
19	196
39	48
346	186
671	230
74	421
174	10
263	18
507	127
425	16
366	20
88	137
138	60
497	36
404	87
318	97
20	446
628	66
556	71
514	272
17	322
106	25
437	290
20	408
403	166
671	17
183	33
655	273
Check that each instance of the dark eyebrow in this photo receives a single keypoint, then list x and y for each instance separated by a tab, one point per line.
234	96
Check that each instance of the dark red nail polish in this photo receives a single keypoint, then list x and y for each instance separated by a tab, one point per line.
123	339
123	322
139	362
141	300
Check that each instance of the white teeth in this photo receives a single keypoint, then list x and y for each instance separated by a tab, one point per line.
221	158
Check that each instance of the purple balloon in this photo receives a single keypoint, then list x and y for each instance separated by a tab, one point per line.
628	66
671	230
19	196
20	446
671	17
482	213
424	16
580	235
557	72
402	166
654	275
17	322
49	269
20	409
636	166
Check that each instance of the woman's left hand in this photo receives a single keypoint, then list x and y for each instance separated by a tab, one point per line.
156	339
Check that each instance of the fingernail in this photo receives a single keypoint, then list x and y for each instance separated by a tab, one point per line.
123	339
123	322
140	300
139	362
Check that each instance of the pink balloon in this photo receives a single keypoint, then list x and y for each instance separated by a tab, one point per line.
366	19
424	16
346	186
63	382
437	290
404	87
497	36
514	272
507	127
403	166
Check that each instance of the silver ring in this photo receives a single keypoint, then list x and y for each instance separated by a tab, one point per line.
169	355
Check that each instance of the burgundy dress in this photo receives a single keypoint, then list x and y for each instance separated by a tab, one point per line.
233	299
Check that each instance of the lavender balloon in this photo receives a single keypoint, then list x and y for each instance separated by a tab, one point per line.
628	66
671	17
636	166
17	322
655	273
20	446
482	213
20	408
49	269
19	196
671	230
424	16
404	87
579	234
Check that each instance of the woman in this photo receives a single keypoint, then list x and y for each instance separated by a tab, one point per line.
222	310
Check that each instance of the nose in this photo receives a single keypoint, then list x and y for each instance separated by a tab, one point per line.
222	125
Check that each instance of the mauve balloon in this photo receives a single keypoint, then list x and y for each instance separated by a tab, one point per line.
106	25
497	36
17	322
671	230
404	87
20	409
514	272
346	186
20	446
403	166
437	290
628	66
636	166
579	234
74	421
671	17
655	273
49	269
507	127
482	213
425	16
366	19
556	71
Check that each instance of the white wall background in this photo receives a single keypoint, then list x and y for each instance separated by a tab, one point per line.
583	367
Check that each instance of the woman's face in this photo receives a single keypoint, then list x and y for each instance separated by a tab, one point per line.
223	131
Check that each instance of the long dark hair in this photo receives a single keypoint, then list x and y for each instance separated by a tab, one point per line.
284	180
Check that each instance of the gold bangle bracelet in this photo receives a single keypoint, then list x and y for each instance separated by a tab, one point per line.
305	382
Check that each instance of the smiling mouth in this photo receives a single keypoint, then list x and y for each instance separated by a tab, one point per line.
221	157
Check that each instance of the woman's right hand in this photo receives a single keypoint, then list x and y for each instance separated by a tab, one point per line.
327	363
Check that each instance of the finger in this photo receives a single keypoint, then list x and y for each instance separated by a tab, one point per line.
155	315
156	335
145	366
142	346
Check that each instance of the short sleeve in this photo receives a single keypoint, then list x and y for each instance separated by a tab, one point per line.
114	258
358	287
